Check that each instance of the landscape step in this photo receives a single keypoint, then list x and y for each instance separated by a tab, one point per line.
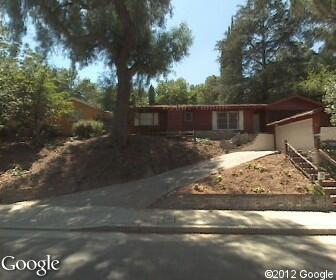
328	183
333	199
330	190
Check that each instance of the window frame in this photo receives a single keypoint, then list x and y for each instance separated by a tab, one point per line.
228	119
190	113
138	121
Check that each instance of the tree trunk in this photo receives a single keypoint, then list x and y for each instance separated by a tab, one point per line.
120	123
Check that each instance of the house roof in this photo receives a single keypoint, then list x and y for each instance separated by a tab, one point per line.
297	117
85	103
223	107
202	107
306	99
106	113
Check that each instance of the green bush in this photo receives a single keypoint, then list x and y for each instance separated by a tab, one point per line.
87	129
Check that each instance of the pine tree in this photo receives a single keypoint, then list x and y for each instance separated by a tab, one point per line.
151	95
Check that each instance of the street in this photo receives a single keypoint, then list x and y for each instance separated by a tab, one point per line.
104	255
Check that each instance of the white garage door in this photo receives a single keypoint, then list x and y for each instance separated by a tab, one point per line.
299	134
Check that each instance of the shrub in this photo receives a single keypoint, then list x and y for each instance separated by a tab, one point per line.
86	129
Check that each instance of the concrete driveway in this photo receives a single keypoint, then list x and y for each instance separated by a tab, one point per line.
142	193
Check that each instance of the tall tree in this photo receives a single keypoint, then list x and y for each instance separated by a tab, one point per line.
108	88
151	95
330	99
29	96
231	65
130	35
320	16
211	92
88	91
262	37
267	29
174	92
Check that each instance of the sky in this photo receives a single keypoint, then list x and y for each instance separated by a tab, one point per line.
208	20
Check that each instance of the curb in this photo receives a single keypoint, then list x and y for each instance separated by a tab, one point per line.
188	229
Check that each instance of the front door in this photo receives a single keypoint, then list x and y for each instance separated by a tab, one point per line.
256	123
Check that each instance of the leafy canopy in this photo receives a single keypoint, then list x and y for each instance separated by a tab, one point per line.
130	31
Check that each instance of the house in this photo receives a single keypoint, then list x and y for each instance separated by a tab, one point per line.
82	111
296	119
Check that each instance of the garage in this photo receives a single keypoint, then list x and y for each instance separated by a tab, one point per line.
299	134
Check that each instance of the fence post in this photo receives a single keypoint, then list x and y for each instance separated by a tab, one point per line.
286	147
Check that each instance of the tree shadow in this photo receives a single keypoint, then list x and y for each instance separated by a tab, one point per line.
103	255
18	154
97	163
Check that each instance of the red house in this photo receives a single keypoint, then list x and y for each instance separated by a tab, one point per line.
249	118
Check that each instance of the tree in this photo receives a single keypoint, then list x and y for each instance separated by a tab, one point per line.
320	17
8	70
40	103
109	91
174	92
268	29
29	97
330	99
130	35
261	42
322	84
231	65
66	79
151	95
316	82
211	92
88	91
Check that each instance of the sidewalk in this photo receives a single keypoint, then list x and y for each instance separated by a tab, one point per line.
27	216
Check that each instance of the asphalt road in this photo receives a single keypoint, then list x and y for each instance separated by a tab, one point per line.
101	255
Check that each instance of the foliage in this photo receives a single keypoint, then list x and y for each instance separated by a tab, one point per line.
322	84
85	129
139	96
130	36
151	95
231	65
321	16
269	50
316	82
203	141
88	91
330	99
174	92
108	89
29	96
18	171
208	93
261	42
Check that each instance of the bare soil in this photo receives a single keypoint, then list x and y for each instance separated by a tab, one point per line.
270	175
67	166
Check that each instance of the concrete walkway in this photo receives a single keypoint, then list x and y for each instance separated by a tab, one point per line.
142	193
29	216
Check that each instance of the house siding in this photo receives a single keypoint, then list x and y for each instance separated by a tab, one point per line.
299	134
287	108
202	120
161	127
81	112
172	117
248	121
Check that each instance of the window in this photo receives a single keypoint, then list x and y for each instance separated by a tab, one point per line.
146	119
228	120
188	116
